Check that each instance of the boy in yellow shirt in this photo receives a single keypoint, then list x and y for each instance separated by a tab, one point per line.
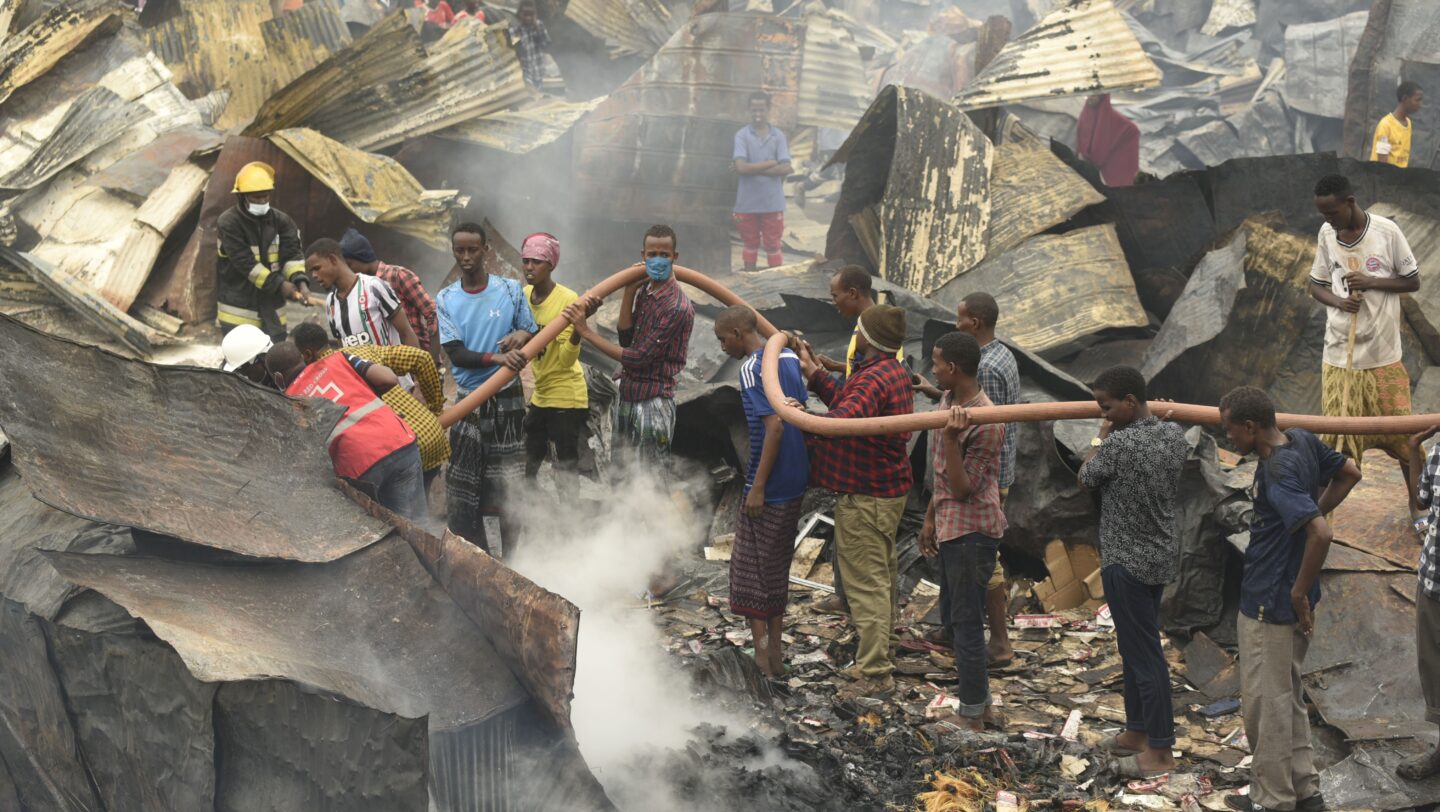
560	406
1391	144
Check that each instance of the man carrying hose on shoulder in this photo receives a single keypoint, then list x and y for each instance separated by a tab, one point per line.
1362	266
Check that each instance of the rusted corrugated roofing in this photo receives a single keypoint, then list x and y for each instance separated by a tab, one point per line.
28	54
198	454
834	91
916	194
82	301
235	44
1082	48
383	88
375	187
523	130
1229	14
629	27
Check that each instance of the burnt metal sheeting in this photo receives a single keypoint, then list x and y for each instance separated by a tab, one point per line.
1242	311
142	721
1366	779
1377	519
92	120
236	45
100	313
628	27
834	90
925	221
28	54
284	747
384	88
1229	14
144	236
1422	232
372	627
1031	190
26	525
535	630
659	147
1082	48
375	187
1361	620
521	131
37	743
1316	73
197	454
1056	289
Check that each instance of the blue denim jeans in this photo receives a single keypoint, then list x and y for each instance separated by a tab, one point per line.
398	483
965	567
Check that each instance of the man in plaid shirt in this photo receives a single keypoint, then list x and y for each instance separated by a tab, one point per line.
1427	599
964	522
531	41
419	308
871	476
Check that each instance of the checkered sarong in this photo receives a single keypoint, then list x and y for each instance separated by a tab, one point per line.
487	451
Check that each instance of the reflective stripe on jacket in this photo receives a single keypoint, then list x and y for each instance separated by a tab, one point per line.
369	431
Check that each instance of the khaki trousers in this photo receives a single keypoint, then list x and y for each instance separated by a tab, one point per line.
1276	722
865	539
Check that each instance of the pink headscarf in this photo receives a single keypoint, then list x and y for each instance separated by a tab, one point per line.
541	246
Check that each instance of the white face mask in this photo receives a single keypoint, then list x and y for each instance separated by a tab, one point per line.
258	209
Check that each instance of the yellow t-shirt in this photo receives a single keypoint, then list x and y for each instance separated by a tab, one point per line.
850	353
559	380
1391	139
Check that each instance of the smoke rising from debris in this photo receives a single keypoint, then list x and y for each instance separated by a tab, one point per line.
632	703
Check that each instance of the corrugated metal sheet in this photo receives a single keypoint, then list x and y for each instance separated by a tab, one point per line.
27	55
916	193
1229	14
1030	191
375	187
383	88
629	27
372	627
659	147
834	90
95	118
235	44
81	300
1085	47
521	131
1055	289
1316	73
161	212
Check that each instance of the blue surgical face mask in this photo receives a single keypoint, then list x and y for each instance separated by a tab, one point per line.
658	268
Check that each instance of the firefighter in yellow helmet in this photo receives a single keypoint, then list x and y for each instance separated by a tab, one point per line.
261	263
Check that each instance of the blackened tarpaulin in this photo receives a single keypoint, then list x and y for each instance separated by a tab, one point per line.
535	630
197	454
916	197
373	627
1367	780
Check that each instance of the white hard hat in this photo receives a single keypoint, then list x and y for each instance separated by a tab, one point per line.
244	344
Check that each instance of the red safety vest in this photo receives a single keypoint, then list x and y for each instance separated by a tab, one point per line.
369	431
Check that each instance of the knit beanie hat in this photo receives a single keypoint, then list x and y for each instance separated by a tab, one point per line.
354	245
884	327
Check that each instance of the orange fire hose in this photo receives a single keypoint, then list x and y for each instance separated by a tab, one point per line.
919	421
548	333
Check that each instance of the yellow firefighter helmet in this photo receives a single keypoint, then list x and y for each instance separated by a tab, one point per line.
255	176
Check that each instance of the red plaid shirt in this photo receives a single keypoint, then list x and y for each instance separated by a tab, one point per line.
656	346
419	307
980	447
873	466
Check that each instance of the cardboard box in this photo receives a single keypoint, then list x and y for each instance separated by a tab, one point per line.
1057	561
1067	597
1043	590
1084	560
1093	587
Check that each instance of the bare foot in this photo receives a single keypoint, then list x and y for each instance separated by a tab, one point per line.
1420	767
1002	653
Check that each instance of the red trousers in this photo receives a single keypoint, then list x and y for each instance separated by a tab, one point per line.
755	228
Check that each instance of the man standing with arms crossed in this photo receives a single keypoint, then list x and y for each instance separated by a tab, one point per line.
762	160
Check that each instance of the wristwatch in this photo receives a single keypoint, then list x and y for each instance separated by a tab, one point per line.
1096	442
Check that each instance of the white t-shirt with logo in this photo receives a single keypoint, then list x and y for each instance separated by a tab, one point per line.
1381	251
363	317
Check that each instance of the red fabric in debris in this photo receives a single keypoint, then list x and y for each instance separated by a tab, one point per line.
1109	140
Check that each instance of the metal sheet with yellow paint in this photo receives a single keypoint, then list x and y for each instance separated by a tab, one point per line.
1056	288
29	53
375	187
1030	191
1081	48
